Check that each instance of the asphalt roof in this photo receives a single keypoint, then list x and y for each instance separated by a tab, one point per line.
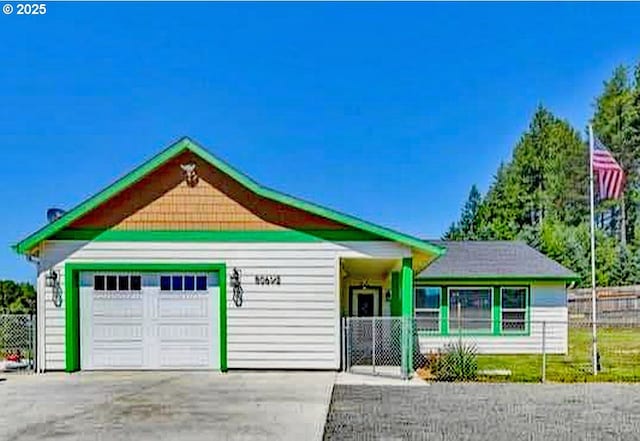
493	259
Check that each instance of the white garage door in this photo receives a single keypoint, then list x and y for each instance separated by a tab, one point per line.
149	320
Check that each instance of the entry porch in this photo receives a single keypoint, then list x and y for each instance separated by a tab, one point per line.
376	308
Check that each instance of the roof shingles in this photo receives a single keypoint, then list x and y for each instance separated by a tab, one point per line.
493	259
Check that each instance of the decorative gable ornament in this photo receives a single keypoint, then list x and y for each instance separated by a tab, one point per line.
190	175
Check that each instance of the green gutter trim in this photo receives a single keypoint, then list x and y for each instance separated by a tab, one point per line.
102	235
72	300
186	144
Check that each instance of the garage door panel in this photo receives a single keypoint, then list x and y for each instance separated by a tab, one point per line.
180	357
182	306
116	305
184	332
116	331
114	357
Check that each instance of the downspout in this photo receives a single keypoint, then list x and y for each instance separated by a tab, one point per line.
39	345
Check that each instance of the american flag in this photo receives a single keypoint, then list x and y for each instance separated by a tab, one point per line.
609	174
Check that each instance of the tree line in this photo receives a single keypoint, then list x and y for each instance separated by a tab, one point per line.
541	195
17	298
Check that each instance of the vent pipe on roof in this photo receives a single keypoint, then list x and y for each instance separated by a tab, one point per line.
54	214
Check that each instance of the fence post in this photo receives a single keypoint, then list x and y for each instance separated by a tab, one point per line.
373	347
347	346
32	355
343	353
544	351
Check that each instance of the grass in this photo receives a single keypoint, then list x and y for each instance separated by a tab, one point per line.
619	350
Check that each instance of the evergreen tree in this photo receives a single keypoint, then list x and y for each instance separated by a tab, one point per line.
541	195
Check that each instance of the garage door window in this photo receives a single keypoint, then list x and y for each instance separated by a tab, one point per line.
116	282
185	282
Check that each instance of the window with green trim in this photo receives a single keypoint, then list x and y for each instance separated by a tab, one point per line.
427	308
470	309
514	303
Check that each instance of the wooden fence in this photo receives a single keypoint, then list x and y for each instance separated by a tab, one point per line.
614	302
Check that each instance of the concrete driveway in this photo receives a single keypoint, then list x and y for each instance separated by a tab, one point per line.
157	406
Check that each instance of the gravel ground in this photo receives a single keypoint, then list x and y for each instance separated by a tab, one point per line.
485	412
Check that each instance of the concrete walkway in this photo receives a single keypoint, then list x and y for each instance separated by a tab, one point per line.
157	406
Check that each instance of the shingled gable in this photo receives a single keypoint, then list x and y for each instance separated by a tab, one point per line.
27	245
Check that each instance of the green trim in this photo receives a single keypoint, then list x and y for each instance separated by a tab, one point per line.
222	315
406	290
101	235
406	287
444	310
72	300
396	300
72	319
186	144
496	315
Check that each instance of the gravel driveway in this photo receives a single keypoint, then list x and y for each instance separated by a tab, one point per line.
485	412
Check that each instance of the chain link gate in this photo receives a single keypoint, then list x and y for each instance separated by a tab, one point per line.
373	345
17	342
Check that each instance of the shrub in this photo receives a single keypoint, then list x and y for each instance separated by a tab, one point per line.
457	362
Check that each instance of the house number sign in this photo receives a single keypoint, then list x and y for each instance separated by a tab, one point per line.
267	279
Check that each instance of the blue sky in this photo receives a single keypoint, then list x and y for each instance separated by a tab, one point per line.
386	111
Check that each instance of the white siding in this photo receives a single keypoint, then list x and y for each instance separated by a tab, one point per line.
556	332
292	325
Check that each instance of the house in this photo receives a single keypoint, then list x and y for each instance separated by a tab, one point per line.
186	263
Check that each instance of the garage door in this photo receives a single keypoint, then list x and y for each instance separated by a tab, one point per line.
149	320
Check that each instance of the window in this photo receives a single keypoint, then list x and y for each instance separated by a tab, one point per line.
428	308
123	283
112	283
201	283
136	283
116	282
98	283
514	308
470	309
189	283
176	283
165	283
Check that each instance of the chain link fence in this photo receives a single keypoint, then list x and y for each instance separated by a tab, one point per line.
17	343
488	350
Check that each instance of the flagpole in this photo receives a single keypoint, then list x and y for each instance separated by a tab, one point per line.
594	330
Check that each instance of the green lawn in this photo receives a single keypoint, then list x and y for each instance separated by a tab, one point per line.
619	359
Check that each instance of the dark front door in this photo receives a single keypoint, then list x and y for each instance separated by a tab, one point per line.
365	304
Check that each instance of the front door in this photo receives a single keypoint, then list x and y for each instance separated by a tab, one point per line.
365	302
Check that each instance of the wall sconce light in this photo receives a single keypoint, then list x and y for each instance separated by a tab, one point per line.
364	285
51	279
387	295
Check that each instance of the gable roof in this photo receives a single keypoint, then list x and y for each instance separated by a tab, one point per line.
494	260
186	144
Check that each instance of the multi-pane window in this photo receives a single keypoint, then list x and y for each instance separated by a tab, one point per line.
183	282
514	308
427	308
117	282
470	309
